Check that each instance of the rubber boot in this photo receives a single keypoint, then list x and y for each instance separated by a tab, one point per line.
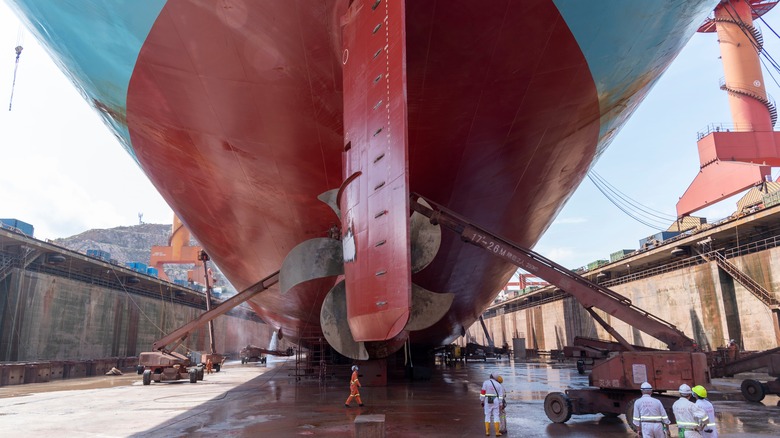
487	429
498	427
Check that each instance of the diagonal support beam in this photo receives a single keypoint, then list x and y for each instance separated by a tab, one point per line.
181	333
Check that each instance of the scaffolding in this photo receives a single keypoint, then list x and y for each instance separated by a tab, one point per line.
316	359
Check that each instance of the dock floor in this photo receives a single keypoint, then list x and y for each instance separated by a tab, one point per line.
253	400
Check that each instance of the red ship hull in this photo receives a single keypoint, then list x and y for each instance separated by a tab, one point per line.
236	112
241	131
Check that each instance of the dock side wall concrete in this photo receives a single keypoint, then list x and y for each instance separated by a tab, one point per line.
702	301
44	317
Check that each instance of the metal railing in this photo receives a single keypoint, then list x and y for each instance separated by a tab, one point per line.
658	270
752	247
745	280
724	127
6	264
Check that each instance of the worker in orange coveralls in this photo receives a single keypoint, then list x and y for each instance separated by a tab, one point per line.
209	366
354	384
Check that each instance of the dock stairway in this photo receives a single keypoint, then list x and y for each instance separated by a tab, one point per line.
766	297
8	262
748	283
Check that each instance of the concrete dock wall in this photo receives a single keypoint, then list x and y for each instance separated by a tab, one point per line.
702	301
45	317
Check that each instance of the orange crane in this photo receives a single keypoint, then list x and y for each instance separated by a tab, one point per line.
736	157
179	251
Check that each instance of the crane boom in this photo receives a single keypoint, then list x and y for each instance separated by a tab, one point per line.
182	332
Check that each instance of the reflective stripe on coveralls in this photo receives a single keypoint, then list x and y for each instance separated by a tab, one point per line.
710	410
491	388
689	417
650	416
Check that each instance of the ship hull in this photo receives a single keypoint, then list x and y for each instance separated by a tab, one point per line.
234	111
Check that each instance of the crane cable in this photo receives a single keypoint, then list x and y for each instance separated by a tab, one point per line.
18	50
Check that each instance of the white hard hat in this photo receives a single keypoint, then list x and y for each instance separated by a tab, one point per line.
685	389
646	386
355	368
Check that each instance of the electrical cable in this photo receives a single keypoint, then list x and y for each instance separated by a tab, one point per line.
630	206
621	208
649	211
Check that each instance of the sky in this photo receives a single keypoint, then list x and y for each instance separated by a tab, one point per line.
63	171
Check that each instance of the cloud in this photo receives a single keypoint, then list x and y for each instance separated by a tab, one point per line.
63	170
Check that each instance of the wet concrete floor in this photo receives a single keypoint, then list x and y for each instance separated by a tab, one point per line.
252	400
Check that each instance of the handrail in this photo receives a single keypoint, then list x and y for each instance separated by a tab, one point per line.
745	280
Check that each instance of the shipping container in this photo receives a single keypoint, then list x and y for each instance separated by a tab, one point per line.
597	264
137	266
771	199
17	226
657	239
615	256
99	254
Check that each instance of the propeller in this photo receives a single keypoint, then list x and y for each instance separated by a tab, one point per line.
324	257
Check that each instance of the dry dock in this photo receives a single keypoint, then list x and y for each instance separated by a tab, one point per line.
251	400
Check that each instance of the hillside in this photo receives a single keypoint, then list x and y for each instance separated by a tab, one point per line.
133	244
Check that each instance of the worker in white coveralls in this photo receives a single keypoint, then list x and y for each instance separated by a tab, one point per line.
710	429
650	416
691	419
491	397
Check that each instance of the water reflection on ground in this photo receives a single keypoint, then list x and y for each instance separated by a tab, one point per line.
528	383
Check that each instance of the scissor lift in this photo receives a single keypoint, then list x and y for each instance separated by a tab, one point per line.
163	363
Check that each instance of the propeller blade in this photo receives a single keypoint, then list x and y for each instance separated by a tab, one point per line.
425	238
335	328
427	308
330	198
313	258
